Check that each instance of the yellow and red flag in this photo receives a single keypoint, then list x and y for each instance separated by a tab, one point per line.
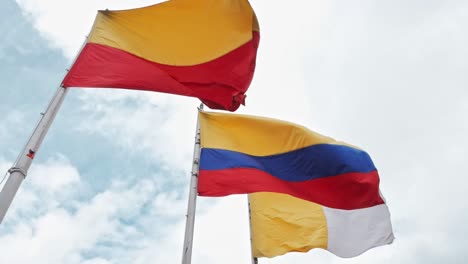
199	48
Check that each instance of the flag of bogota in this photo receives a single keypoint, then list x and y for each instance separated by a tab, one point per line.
197	48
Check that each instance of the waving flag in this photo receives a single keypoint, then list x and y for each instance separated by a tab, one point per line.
325	192
282	223
202	48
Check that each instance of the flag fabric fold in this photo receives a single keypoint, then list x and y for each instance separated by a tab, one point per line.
282	223
307	190
204	48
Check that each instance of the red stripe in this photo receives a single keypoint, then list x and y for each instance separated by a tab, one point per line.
346	191
220	84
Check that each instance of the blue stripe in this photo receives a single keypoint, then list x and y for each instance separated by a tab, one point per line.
304	164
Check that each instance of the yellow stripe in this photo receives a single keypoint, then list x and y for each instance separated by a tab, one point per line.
255	25
177	32
281	223
257	136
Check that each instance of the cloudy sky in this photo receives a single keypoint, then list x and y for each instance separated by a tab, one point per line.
110	183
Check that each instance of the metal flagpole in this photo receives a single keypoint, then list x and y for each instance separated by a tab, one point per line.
192	201
20	168
254	259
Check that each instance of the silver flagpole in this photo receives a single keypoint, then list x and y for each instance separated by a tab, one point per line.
254	259
20	168
192	201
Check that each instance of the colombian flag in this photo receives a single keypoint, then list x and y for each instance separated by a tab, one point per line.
199	48
308	190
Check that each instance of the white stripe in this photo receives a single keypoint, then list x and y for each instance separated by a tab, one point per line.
352	232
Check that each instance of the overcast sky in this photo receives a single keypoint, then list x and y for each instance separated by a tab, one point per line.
110	183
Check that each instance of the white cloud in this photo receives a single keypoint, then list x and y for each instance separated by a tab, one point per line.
158	126
96	261
51	184
13	121
59	234
221	233
135	219
54	175
65	24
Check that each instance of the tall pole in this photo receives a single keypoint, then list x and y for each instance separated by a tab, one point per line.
192	200
254	259
20	168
